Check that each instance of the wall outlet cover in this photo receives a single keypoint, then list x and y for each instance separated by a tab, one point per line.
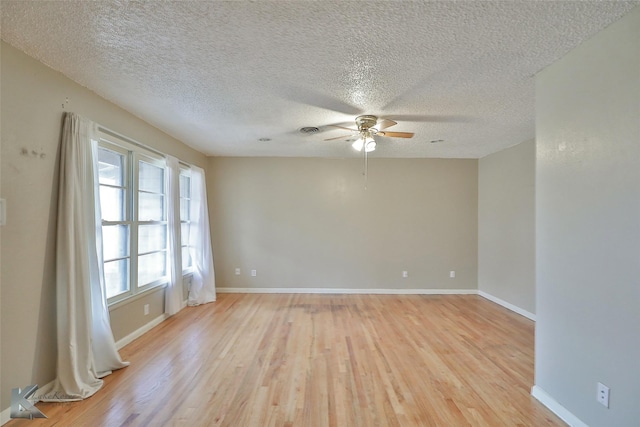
603	395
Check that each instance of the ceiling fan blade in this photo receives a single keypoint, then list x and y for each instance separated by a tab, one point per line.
338	137
385	123
342	127
431	119
396	134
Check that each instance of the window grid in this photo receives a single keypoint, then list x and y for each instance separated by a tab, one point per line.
150	259
138	269
185	219
117	266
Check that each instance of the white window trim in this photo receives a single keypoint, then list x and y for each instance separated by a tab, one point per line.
133	154
186	170
155	161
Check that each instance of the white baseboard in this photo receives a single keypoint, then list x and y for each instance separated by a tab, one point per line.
556	408
5	416
146	328
140	331
346	291
508	305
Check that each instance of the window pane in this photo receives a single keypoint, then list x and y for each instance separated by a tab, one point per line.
185	186
115	241
186	258
151	178
184	234
110	167
151	267
184	210
116	277
112	203
152	238
150	207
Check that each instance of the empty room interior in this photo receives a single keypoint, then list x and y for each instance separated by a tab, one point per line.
293	213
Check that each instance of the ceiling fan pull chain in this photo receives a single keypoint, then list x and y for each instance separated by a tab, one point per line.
366	169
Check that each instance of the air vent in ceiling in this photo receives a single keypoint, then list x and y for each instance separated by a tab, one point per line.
308	130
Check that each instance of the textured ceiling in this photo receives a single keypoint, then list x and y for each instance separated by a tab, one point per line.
220	75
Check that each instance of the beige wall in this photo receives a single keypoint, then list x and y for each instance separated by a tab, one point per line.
31	117
130	316
588	226
310	223
506	225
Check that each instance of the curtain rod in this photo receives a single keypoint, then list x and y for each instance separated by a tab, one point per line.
136	143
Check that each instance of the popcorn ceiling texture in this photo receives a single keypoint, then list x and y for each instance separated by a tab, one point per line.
221	75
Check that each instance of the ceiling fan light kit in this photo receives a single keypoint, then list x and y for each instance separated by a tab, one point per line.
365	141
370	146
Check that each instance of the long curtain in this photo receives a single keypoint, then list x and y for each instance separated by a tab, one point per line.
203	284
86	347
173	293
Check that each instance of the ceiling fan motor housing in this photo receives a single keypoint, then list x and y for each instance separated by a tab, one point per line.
366	122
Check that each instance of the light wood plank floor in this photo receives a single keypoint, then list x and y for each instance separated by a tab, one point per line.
322	360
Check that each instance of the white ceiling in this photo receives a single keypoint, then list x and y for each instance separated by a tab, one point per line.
220	75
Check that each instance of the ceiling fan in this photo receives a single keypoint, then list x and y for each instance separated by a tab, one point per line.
368	127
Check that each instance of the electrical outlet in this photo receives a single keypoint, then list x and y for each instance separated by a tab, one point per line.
405	274
452	274
254	273
603	395
237	271
146	309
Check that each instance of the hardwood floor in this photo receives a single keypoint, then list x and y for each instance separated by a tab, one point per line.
322	360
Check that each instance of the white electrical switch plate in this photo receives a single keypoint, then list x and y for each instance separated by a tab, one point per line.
254	273
452	274
237	271
603	395
146	309
405	274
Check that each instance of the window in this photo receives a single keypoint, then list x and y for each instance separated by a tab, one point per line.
185	219
134	218
151	222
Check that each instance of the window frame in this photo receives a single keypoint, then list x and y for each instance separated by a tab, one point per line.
186	171
160	162
127	209
133	154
